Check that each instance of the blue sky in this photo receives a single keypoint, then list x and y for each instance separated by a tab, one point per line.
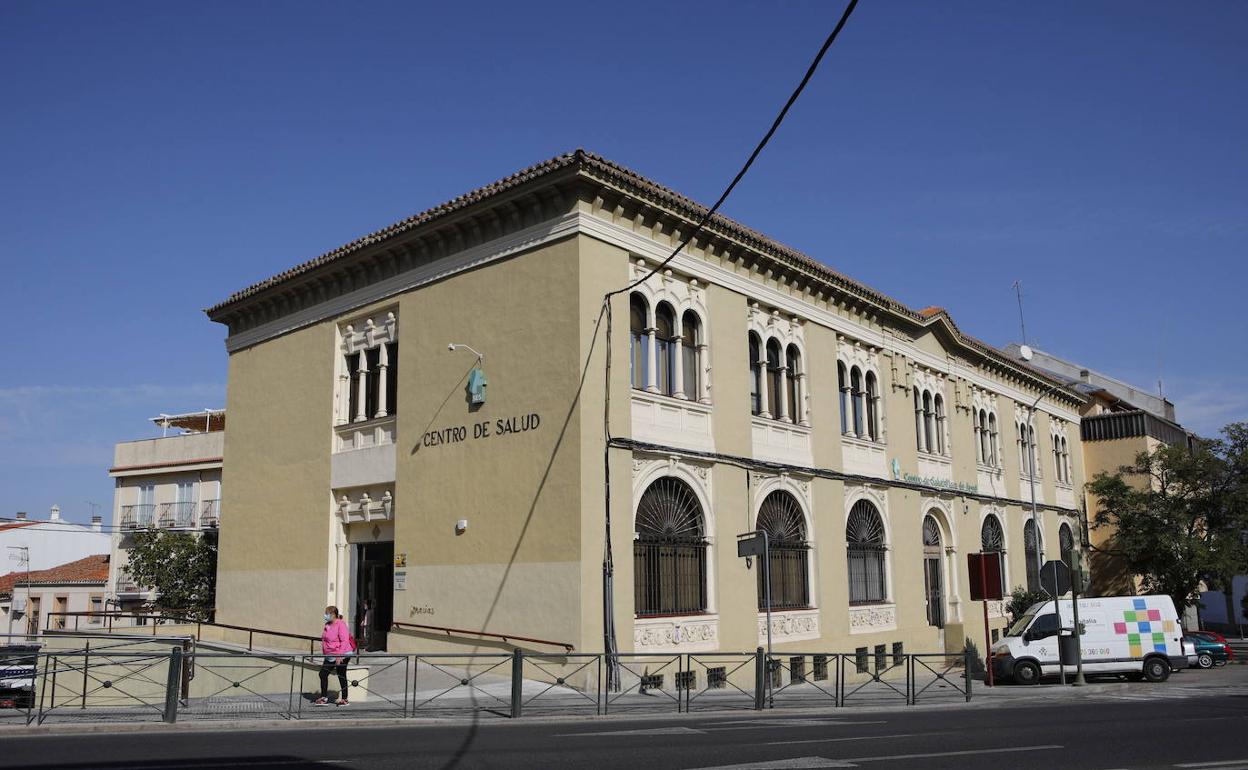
157	156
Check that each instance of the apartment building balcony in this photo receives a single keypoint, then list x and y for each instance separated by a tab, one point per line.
138	516
184	452
126	585
209	514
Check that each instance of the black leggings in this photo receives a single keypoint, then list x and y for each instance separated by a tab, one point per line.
341	670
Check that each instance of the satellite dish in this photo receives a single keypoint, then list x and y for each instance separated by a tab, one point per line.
1024	352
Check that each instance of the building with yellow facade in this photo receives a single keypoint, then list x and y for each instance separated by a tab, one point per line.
420	420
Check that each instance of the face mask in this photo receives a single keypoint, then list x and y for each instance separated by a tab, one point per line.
328	617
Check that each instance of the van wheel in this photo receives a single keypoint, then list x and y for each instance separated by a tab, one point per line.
1204	660
1156	669
1026	672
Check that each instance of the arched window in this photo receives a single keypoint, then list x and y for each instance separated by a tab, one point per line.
859	397
992	540
842	384
1031	448
938	414
1031	546
781	518
669	554
933	572
1066	539
993	446
981	443
665	348
918	421
929	423
793	361
756	374
1057	458
775	378
1022	448
690	352
1066	458
873	407
638	341
865	549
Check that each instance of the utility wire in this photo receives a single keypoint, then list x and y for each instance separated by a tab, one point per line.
608	563
810	71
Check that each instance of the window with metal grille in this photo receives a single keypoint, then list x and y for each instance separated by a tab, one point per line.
992	540
781	518
669	554
860	660
1066	539
865	548
899	653
933	572
1031	548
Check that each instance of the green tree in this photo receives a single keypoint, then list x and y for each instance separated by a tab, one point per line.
1179	514
1021	600
181	566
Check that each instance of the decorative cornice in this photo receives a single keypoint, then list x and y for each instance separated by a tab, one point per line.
576	181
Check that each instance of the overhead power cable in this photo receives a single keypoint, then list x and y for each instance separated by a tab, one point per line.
810	71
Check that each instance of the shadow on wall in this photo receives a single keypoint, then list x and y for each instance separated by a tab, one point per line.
465	746
1109	573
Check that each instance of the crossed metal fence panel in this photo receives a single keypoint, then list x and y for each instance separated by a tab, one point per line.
114	682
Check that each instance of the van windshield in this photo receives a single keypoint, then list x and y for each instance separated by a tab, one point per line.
1020	625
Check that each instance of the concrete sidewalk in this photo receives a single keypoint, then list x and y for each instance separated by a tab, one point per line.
1182	685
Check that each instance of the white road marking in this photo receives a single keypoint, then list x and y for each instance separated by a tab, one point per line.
851	738
1223	763
771	724
644	731
967	752
822	762
784	764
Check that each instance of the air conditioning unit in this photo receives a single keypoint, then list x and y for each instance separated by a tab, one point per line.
19	604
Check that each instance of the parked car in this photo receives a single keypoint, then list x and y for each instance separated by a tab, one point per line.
1209	652
17	675
1189	650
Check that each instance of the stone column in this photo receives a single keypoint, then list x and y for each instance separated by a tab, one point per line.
383	363
652	375
678	376
360	376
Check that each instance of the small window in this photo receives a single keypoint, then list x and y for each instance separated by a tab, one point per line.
691	340
97	608
842	384
372	383
638	341
793	371
392	378
855	391
1043	627
1031	548
774	381
873	408
938	412
756	374
665	349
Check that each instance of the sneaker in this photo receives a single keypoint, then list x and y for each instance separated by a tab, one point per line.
343	702
321	702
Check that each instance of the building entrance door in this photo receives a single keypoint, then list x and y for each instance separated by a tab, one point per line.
374	595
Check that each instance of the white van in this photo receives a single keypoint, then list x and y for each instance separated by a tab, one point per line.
1122	635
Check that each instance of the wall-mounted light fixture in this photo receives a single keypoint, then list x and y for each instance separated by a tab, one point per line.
461	526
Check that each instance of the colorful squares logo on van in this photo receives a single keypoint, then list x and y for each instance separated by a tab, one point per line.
1120	628
1167	626
1145	627
1133	639
1129	616
1154	614
1138	604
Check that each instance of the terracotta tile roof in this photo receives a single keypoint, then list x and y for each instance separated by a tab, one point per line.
16	525
92	569
645	189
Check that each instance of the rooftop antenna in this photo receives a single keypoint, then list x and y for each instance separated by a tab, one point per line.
1018	292
94	507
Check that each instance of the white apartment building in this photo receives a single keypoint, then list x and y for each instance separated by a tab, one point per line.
169	482
46	543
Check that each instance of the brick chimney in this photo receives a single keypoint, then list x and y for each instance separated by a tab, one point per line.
97	523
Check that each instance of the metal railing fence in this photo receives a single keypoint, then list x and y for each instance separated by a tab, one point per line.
140	678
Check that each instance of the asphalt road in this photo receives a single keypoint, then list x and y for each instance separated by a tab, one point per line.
1085	735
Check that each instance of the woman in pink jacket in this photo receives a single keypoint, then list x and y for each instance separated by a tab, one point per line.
336	646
